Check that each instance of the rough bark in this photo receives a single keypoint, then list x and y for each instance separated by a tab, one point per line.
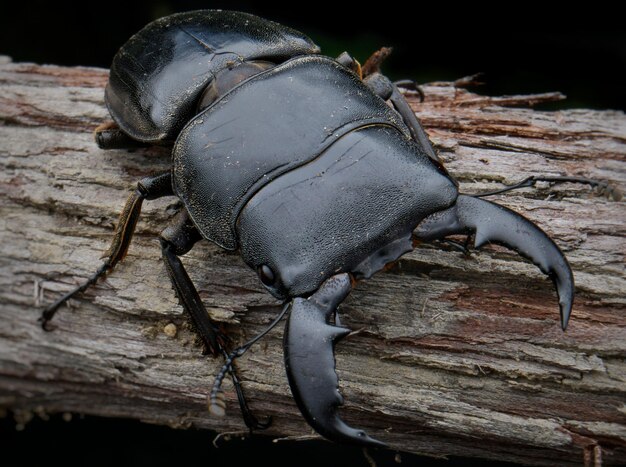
453	355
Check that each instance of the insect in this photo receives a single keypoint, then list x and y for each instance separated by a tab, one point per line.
315	169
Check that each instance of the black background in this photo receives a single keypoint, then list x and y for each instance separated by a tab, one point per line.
97	442
521	48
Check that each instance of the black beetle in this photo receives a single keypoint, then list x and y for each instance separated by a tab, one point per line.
298	161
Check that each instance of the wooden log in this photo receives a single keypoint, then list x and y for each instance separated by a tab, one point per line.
453	355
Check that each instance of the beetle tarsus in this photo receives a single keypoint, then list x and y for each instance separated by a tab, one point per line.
492	223
249	418
51	310
217	400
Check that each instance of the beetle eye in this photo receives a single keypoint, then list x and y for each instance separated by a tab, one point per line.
266	275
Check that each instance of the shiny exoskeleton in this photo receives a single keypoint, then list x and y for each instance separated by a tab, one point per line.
297	161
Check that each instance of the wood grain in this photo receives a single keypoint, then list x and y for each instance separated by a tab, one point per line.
452	355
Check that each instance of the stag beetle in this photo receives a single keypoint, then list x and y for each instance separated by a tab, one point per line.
315	169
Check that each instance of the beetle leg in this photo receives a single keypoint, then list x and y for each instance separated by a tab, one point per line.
309	343
410	85
604	187
350	63
372	66
177	239
109	136
492	223
385	89
463	247
249	418
147	188
415	127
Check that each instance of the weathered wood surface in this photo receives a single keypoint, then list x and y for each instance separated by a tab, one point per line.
454	355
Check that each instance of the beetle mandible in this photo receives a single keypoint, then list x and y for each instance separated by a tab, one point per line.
265	129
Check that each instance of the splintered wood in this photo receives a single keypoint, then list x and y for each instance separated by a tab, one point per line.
453	355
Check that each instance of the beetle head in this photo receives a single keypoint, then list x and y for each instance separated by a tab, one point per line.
351	210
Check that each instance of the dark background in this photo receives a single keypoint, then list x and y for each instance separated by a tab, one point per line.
521	48
97	442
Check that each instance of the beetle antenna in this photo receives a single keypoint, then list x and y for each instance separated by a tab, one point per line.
51	310
217	404
604	187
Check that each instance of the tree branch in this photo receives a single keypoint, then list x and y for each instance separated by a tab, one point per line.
453	355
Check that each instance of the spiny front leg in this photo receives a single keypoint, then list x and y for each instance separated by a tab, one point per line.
309	346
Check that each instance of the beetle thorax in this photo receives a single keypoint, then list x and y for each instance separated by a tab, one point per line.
306	171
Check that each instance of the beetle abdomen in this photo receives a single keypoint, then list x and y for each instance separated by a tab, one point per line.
158	75
367	191
270	124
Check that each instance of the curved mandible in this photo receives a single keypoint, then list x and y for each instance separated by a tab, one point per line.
493	223
309	343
